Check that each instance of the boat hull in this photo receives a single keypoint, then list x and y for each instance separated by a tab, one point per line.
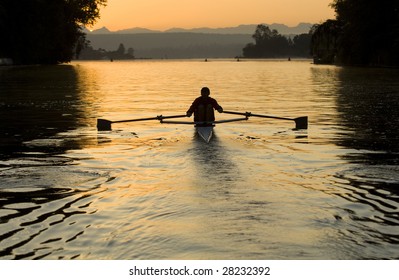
205	132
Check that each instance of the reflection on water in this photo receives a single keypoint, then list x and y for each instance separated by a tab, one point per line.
368	107
39	102
213	162
258	190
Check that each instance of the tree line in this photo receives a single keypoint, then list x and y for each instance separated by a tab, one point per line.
89	53
270	44
45	31
364	32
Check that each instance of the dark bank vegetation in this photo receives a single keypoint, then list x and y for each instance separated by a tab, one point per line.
89	53
45	31
270	44
365	32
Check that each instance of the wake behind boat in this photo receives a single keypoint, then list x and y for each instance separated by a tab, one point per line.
204	129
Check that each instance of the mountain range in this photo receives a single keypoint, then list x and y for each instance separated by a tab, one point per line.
240	29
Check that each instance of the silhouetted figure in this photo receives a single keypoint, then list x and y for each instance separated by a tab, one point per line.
203	106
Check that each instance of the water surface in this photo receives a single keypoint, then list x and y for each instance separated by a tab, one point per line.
145	190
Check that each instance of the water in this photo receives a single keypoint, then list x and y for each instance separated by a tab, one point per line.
145	190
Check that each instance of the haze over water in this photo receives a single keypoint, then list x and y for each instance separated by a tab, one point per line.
145	190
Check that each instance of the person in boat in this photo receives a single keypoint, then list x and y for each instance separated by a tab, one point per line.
203	107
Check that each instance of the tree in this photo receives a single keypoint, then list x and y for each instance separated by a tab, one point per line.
367	32
3	27
300	45
268	44
121	49
89	53
45	31
325	41
130	52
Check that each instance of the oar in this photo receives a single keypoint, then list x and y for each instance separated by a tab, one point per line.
300	123
106	124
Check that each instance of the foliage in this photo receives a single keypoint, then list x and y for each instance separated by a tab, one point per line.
365	32
324	42
271	44
45	31
300	45
121	53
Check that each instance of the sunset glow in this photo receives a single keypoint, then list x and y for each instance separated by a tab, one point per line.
162	15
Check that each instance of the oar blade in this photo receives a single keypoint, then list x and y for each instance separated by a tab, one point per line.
103	125
301	123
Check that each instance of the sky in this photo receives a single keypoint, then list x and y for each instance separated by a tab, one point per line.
165	14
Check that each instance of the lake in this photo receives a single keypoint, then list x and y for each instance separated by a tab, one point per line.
259	190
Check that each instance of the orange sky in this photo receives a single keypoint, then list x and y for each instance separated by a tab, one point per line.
165	14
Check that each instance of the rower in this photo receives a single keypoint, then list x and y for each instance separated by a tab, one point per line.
203	107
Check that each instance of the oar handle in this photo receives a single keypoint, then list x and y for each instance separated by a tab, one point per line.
271	117
171	117
204	123
231	120
249	114
135	120
153	118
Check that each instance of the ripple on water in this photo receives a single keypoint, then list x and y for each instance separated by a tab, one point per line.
39	199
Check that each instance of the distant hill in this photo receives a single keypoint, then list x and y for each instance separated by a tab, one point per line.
241	29
174	45
249	29
225	42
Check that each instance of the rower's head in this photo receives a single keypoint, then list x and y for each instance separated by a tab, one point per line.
205	92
